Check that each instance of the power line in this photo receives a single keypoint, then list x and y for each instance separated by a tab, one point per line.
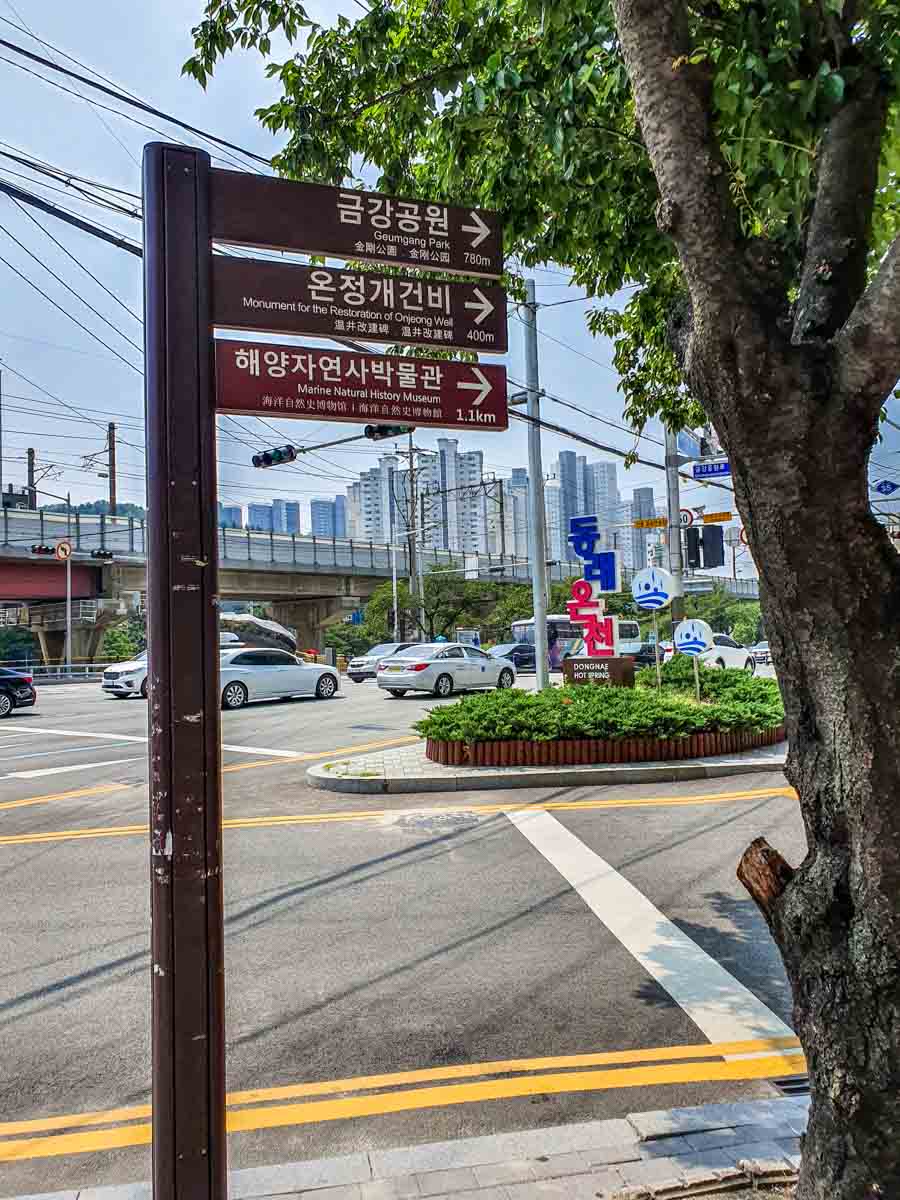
70	289
40	167
64	311
123	98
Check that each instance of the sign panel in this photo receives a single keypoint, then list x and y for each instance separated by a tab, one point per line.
717	518
651	523
693	637
687	444
331	385
711	470
469	637
601	568
686	517
283	298
886	487
279	214
617	672
63	550
652	588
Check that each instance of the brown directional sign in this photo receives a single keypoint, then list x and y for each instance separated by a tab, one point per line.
258	210
614	672
284	298
375	389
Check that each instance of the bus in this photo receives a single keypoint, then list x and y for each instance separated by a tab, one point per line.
562	635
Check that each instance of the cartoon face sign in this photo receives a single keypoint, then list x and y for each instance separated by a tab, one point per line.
652	588
693	637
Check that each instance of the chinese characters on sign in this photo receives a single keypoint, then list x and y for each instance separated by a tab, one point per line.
295	381
287	298
279	214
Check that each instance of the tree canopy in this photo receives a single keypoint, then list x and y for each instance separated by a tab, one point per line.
525	106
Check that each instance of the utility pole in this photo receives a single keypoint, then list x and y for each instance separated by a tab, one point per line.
537	549
673	498
69	614
1	439
32	490
394	590
111	447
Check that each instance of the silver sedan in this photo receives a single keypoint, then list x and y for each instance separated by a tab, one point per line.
260	674
443	668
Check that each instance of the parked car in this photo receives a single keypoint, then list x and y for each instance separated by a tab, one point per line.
761	653
443	668
520	654
263	674
726	652
363	666
127	678
17	690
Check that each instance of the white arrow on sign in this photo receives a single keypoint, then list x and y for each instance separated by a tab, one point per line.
483	387
482	304
479	229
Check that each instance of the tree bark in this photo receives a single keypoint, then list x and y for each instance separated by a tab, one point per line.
798	420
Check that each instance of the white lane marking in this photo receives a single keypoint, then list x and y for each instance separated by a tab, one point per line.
715	1001
131	737
38	774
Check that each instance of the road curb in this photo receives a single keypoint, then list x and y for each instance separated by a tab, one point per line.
379	782
666	1154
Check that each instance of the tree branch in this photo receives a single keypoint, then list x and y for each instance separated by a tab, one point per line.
765	875
834	271
868	346
673	104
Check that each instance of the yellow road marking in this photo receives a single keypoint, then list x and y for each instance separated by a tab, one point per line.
374	814
407	1099
79	792
361	1083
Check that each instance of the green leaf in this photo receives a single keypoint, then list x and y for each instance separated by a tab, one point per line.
833	87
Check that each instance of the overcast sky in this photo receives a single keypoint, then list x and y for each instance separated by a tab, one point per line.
141	47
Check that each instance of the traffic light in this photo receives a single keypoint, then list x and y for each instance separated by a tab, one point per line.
41	548
713	546
103	555
378	433
692	538
275	457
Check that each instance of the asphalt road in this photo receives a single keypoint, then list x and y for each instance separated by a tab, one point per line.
398	937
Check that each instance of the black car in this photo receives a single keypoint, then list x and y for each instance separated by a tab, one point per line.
16	690
520	654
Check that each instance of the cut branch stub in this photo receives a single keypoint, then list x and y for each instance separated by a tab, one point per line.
765	875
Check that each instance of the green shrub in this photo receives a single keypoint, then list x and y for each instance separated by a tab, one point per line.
604	712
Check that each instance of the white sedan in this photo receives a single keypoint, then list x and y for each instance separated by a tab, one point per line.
262	674
443	668
724	652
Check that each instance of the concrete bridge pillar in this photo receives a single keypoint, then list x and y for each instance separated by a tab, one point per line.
85	643
309	618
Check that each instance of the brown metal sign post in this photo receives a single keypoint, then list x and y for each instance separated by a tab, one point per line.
188	1019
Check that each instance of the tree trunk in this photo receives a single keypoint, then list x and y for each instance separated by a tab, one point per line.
831	602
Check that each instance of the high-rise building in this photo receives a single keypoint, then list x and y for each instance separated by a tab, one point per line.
507	518
643	505
322	518
286	516
259	516
553	507
340	516
229	516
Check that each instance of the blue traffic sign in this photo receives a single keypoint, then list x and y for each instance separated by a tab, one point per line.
708	470
886	487
687	444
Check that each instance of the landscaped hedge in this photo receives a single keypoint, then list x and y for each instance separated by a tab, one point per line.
731	702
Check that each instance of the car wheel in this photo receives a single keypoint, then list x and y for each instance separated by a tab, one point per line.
326	687
6	704
397	692
750	666
506	679
443	685
720	664
144	691
121	696
234	695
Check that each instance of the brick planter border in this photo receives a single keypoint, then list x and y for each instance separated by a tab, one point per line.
585	751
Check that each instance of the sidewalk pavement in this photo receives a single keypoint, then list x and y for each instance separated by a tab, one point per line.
406	769
667	1154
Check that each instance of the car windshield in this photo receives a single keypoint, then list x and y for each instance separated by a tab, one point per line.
384	648
419	652
505	648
